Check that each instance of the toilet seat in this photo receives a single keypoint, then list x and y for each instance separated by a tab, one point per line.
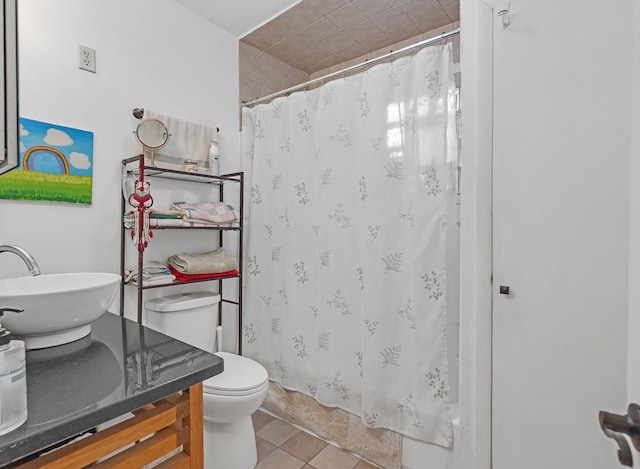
241	376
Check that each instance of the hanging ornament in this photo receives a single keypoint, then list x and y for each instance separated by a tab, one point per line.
141	201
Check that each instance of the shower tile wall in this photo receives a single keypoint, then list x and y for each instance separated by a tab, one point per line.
262	74
391	47
316	34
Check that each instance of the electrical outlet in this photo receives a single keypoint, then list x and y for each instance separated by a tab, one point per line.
87	59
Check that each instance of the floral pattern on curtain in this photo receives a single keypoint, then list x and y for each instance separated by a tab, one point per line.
346	216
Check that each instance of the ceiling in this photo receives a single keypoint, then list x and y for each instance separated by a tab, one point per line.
311	35
238	17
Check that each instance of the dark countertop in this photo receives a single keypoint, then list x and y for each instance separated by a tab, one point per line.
118	368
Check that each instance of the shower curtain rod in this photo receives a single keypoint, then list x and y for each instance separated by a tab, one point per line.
424	42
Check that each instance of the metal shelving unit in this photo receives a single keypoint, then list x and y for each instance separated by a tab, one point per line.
135	166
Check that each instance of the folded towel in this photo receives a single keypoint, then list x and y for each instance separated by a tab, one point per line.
152	270
156	213
156	280
129	222
204	224
215	212
180	277
173	215
206	263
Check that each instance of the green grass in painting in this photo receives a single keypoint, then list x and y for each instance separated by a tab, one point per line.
34	185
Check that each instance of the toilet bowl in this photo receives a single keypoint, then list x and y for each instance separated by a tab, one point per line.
230	397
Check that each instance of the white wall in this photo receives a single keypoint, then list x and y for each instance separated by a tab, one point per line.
150	53
576	49
476	62
561	224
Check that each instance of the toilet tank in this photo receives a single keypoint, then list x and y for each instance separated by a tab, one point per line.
189	317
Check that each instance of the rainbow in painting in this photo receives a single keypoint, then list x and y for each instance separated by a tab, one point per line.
56	165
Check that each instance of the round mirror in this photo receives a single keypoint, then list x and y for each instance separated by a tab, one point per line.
152	133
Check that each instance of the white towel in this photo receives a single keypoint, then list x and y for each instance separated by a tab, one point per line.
153	272
188	140
129	223
156	280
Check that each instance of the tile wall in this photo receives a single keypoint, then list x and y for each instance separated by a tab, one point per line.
398	45
261	74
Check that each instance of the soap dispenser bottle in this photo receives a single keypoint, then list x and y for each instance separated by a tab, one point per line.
214	158
13	380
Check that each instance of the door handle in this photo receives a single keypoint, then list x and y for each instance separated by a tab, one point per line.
613	425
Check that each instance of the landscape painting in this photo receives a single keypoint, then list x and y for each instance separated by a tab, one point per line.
56	165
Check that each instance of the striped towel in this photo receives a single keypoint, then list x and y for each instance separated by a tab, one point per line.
154	273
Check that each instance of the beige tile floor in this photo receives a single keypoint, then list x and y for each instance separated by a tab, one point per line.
283	446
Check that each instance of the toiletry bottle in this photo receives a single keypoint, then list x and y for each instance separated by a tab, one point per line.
13	380
214	158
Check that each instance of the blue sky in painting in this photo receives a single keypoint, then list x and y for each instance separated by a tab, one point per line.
74	144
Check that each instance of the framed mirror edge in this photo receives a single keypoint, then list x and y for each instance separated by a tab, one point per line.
10	157
155	127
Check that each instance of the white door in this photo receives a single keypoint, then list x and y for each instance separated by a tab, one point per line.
562	81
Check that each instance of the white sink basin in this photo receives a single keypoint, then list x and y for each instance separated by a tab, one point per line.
58	308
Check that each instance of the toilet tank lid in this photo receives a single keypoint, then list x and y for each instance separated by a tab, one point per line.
182	301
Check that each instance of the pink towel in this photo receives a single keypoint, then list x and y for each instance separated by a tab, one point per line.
215	212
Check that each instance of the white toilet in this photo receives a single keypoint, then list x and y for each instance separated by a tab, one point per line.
229	398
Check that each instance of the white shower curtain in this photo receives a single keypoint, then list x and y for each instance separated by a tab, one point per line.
346	215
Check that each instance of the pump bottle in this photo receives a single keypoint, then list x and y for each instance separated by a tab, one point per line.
214	158
13	380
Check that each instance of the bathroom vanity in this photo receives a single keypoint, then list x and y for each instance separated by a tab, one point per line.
79	392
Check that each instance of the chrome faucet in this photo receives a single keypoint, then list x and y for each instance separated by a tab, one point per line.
28	259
